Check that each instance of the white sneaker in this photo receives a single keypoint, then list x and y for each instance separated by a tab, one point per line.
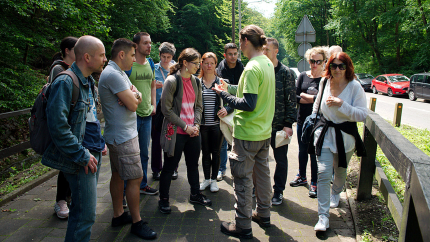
205	184
214	186
322	224
334	200
220	175
61	209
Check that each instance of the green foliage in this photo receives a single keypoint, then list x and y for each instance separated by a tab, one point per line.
19	87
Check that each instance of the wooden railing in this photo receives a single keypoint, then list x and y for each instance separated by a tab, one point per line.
413	216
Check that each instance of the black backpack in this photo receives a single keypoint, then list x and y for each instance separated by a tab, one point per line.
40	138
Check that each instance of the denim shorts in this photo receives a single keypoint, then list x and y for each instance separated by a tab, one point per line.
125	159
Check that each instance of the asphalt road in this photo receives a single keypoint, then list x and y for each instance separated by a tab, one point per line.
414	113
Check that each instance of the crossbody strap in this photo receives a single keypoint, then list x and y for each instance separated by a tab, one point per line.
322	93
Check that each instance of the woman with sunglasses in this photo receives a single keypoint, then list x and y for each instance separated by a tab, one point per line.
343	104
181	104
210	129
306	91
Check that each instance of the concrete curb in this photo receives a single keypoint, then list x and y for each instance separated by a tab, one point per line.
27	187
353	207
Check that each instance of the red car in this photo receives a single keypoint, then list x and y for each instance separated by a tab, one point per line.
391	84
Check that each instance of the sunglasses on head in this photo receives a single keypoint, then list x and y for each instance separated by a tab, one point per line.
341	66
318	62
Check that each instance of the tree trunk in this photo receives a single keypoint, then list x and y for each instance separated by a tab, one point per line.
397	44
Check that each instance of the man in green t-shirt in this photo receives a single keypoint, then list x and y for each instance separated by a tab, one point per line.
143	78
254	105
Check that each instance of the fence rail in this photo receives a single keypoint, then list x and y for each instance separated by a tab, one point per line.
413	217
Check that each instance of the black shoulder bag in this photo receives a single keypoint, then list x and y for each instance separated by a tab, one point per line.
311	120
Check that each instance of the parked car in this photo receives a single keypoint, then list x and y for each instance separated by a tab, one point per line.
365	80
296	73
419	86
391	84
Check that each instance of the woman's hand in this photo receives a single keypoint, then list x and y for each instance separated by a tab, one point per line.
104	152
334	101
222	113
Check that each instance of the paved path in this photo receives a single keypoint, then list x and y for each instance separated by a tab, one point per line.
33	219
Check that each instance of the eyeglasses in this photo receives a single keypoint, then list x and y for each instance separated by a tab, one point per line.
195	63
341	66
318	62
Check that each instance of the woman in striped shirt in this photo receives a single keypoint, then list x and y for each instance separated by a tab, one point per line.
210	129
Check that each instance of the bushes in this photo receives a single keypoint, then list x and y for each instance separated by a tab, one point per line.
19	87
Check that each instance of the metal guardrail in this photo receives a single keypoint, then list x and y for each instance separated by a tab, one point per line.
413	217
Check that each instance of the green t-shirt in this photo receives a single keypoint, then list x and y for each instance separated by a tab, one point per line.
258	77
141	77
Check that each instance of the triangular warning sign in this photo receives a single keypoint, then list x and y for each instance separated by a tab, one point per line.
305	27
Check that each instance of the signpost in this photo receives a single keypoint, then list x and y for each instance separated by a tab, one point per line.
305	33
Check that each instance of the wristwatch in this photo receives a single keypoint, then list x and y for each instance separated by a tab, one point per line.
137	95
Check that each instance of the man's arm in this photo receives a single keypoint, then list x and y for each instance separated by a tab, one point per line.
289	102
57	112
247	103
154	96
131	98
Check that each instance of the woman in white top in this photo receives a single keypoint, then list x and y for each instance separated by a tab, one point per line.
336	136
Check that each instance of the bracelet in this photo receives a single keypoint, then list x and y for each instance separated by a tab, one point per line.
186	127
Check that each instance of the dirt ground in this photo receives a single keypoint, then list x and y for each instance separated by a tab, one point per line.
375	222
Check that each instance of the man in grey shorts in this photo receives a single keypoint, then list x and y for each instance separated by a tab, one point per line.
119	99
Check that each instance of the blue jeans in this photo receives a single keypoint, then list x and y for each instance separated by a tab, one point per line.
82	213
144	130
303	158
223	155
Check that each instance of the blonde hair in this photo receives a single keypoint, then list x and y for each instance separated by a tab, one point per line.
322	50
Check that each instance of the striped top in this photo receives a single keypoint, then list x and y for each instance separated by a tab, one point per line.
209	96
187	109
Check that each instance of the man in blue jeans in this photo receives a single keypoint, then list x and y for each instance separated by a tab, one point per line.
76	139
142	77
229	69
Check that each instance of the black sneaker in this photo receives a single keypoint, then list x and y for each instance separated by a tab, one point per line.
262	221
124	219
164	206
142	230
175	175
299	181
156	176
313	190
232	230
200	199
148	191
124	202
277	198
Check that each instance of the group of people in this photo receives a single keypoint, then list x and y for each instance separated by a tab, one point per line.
193	94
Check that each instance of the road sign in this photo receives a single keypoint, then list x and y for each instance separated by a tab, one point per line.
305	32
303	65
303	47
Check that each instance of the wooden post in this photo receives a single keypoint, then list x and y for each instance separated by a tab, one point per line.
372	103
367	167
397	114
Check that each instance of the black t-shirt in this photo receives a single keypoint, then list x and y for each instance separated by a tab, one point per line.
310	86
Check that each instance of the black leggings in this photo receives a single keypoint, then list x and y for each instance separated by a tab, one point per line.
191	148
211	147
63	189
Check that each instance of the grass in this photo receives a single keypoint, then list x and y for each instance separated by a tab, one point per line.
419	137
19	178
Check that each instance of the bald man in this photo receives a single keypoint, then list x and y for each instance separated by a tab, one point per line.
77	144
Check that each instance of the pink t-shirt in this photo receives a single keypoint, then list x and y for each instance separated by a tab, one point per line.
187	109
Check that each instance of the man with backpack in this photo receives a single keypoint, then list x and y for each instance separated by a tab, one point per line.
142	77
67	123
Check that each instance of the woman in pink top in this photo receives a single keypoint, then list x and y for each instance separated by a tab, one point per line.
181	104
